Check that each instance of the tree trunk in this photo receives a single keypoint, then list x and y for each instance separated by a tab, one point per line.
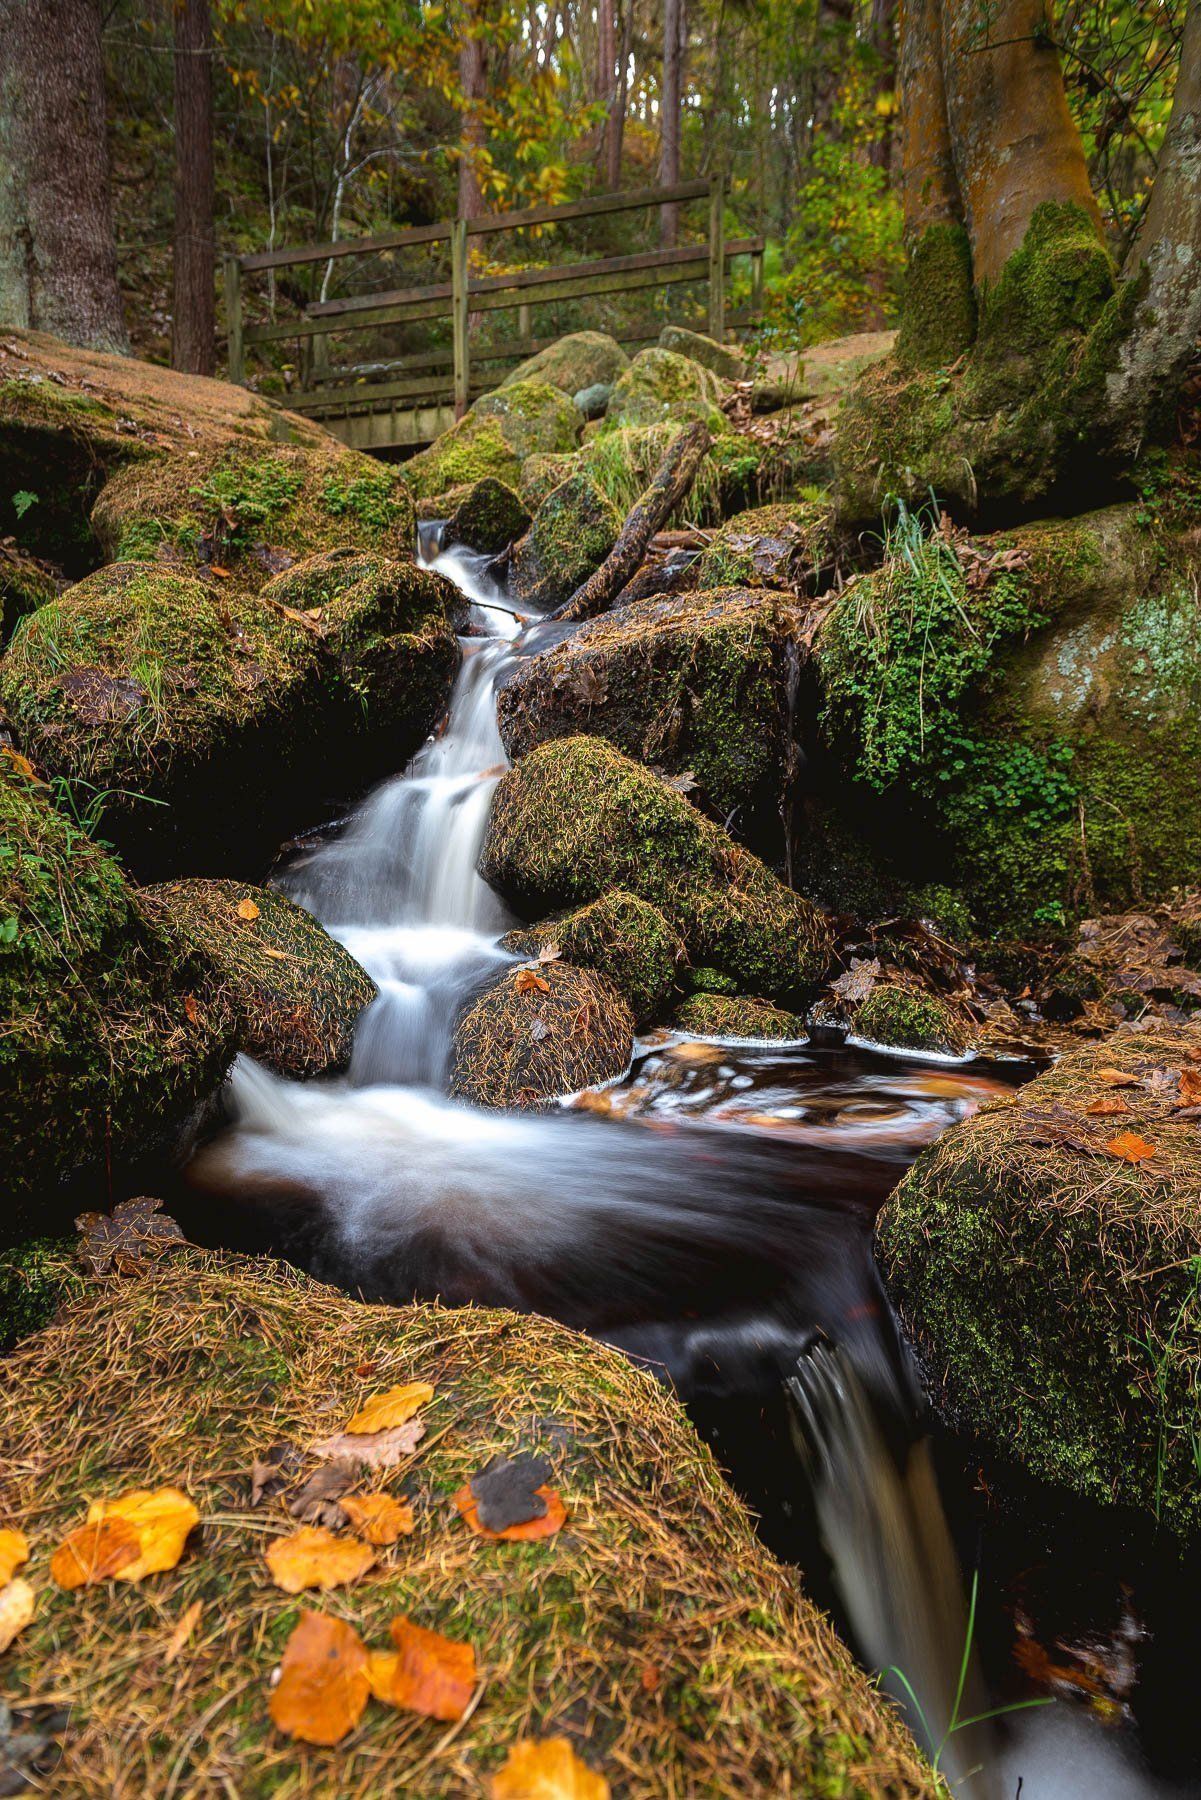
58	259
1014	142
929	187
194	325
670	99
617	117
606	73
883	40
471	131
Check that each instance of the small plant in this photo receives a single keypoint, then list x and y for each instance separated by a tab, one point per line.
22	501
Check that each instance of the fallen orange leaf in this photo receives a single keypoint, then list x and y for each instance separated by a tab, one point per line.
1130	1147
547	1770
14	1550
552	1520
20	763
17	1607
1117	1078
314	1557
1190	1088
384	1411
247	909
528	982
1109	1105
426	1673
191	1008
322	1687
188	1621
378	1517
140	1533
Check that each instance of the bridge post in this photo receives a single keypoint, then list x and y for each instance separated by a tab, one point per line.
717	257
233	319
458	305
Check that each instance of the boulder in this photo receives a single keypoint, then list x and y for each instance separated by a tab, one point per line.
592	402
577	361
25	584
622	937
696	684
538	1034
487	516
723	359
101	1059
905	1015
206	1359
738	470
192	720
290	993
737	1016
660	388
569	538
495	437
790	547
576	818
238	514
1046	1256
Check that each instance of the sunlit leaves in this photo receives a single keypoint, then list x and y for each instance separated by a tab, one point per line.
141	1533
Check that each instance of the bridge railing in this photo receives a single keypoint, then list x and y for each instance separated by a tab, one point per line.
433	380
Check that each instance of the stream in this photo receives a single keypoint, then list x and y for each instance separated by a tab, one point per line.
710	1213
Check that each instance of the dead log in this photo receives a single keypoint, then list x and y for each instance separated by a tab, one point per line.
672	481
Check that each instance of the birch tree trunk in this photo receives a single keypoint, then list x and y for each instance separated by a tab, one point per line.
194	325
58	258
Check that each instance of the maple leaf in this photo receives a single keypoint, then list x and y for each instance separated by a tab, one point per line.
323	1686
121	1241
246	909
546	1769
530	982
378	1517
314	1558
14	1550
385	1411
858	981
1130	1147
426	1673
549	953
140	1533
374	1449
17	1607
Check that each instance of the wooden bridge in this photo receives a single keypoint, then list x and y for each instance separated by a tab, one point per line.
390	391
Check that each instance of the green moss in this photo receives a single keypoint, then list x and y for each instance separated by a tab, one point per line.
36	1278
783	546
623	937
495	437
572	533
711	1015
576	818
909	1018
704	980
723	359
579	360
938	312
487	516
660	387
24	586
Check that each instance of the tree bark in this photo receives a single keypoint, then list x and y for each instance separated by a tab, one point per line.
194	324
58	258
1014	142
883	40
617	117
606	73
672	481
670	101
471	132
929	186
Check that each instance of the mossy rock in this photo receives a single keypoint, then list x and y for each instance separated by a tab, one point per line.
290	993
25	584
576	818
695	682
789	547
36	1278
660	388
1054	1288
905	1016
495	437
657	1567
569	538
737	1016
723	359
623	937
1025	708
488	516
190	718
100	1061
579	360
539	1034
737	471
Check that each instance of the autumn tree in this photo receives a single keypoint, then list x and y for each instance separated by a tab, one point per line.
194	274
58	260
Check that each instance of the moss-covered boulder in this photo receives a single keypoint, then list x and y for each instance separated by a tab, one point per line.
1046	1256
288	992
539	1033
737	1016
241	512
576	818
904	1015
190	719
656	1569
723	359
36	1278
25	584
623	937
579	360
572	532
660	387
695	683
791	547
101	1058
738	470
1021	711
495	436
487	516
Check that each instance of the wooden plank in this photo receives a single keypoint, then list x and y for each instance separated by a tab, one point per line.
587	209
348	246
458	317
236	355
717	259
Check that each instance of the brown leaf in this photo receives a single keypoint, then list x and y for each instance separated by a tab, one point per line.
426	1673
14	1550
530	982
141	1533
187	1623
135	1229
651	1679
276	955
219	569
323	1686
315	1558
1189	1093
858	981
17	1607
384	1411
546	1769
1130	1147
272	1472
318	1502
378	1517
374	1449
246	909
191	1009
1108	1106
553	1520
1118	1078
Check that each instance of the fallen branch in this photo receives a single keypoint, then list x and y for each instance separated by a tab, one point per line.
672	482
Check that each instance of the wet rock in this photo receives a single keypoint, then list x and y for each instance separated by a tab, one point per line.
541	1032
623	937
660	387
487	516
495	437
579	360
289	991
576	818
25	584
101	1060
570	536
790	547
697	684
904	1015
1045	1256
192	718
723	359
738	1016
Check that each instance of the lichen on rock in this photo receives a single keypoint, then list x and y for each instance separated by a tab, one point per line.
580	360
722	359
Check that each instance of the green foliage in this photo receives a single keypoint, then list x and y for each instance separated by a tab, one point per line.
22	500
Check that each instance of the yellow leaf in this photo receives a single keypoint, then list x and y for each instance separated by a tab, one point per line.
188	1621
17	1607
384	1411
314	1557
247	909
14	1550
378	1517
322	1687
140	1533
276	955
547	1770
426	1673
